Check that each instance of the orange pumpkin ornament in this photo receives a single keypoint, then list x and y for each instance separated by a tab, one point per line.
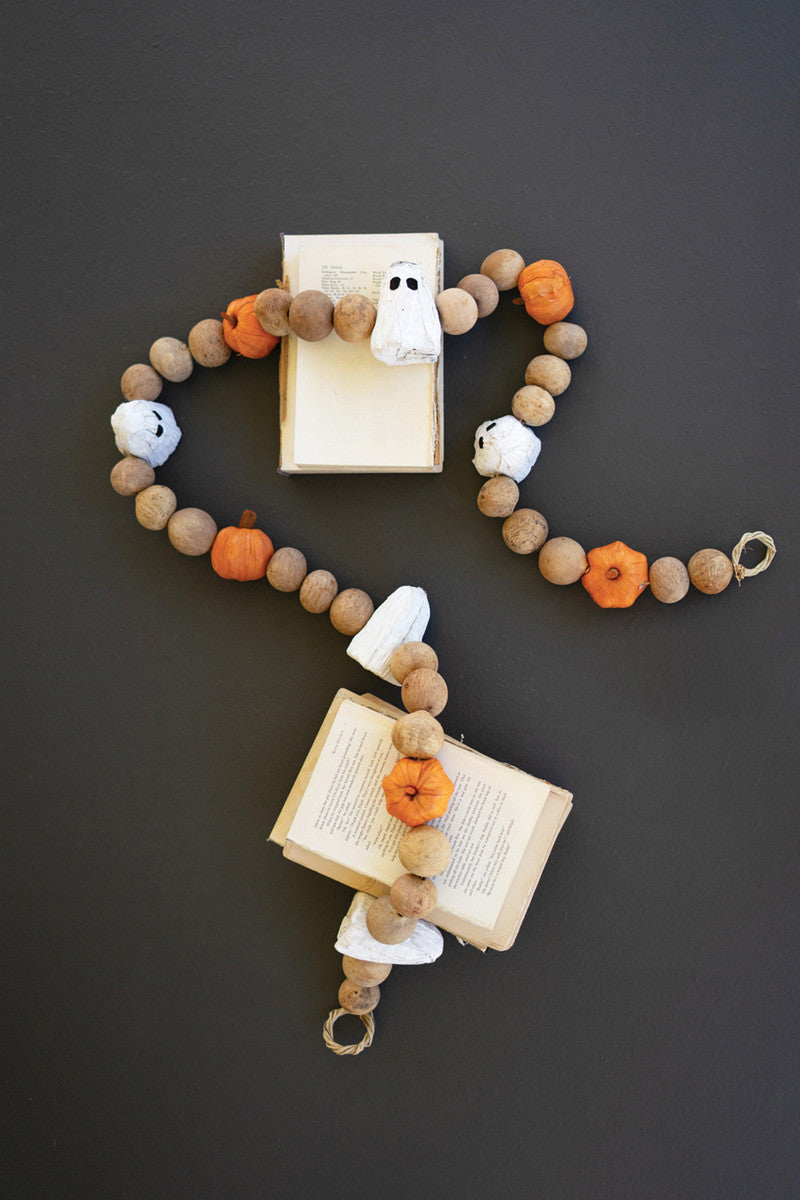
546	291
417	790
616	575
244	332
241	552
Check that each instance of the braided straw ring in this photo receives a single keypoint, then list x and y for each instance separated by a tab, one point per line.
356	1047
742	572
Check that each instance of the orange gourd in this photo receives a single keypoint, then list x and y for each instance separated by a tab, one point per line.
546	291
241	552
244	332
417	790
616	575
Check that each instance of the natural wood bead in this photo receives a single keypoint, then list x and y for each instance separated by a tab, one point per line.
409	657
386	925
498	497
549	372
207	344
525	531
354	318
171	359
504	268
287	569
272	310
424	689
710	571
413	896
155	505
317	591
131	475
533	405
311	315
562	560
565	339
365	974
483	291
192	531
669	580
141	382
458	310
417	735
354	998
350	611
424	850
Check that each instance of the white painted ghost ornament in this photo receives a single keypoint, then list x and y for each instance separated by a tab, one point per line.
505	447
407	328
146	430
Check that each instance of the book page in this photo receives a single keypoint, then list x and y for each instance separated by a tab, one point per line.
489	821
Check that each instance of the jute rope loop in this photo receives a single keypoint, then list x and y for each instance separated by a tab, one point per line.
356	1047
742	572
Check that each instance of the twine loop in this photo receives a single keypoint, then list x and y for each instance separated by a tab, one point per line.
355	1047
743	572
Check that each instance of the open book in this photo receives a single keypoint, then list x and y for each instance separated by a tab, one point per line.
501	823
341	409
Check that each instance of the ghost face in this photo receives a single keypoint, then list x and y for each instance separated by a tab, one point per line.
146	430
407	328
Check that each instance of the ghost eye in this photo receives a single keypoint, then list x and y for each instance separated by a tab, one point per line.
157	416
412	285
394	283
480	443
488	427
159	430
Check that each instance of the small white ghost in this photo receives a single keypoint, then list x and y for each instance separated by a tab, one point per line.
407	328
146	430
505	447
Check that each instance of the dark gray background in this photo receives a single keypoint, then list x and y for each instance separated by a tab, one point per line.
167	972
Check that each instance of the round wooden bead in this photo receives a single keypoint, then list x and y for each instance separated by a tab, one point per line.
311	315
409	657
533	405
669	580
565	339
417	735
287	569
365	974
350	611
192	531
141	382
317	591
413	896
498	497
386	925
171	359
207	344
131	475
503	268
549	372
272	310
458	310
424	850
710	571
354	998
562	560
155	505
525	531
424	689
354	318
483	291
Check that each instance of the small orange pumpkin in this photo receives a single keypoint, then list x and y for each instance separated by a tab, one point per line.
241	552
417	790
616	575
244	332
546	291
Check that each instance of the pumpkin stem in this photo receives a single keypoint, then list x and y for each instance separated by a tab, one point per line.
410	790
234	320
613	573
248	519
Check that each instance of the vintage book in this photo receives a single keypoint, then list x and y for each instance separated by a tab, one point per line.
341	409
501	823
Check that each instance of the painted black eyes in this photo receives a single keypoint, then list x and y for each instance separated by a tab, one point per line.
395	281
412	285
159	428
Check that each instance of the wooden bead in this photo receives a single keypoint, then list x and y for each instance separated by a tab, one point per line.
710	571
458	310
350	611
525	531
141	382
386	925
155	505
272	310
413	896
669	580
409	657
354	318
424	689
192	531
483	291
504	268
287	569
533	405
565	339
317	591
562	560
549	372
354	998
311	315
131	475
171	359
417	735
207	344
424	850
365	974
498	497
